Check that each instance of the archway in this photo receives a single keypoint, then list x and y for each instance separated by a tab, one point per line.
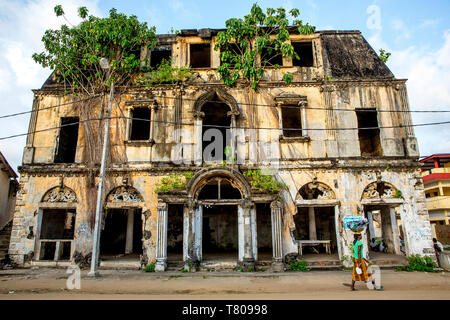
381	202
316	227
216	113
121	236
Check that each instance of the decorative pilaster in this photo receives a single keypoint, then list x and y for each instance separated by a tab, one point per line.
129	237
277	259
198	130
161	237
248	259
395	231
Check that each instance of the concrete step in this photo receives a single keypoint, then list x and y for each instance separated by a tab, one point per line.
120	264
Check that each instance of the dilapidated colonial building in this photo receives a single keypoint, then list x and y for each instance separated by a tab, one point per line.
339	137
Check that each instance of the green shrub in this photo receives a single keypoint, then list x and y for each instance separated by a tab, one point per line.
174	182
150	268
299	265
418	263
264	182
165	73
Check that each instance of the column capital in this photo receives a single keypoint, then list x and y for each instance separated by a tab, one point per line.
275	204
198	115
247	204
162	205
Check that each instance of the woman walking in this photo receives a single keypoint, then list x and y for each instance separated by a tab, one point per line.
359	263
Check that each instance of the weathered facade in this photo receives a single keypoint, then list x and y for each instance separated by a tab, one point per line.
333	165
8	188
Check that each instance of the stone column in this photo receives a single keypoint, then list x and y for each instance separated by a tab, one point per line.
161	237
130	225
188	232
198	130
249	259
312	224
198	230
395	231
277	259
371	227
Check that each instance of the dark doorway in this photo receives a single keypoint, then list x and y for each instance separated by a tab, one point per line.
216	124
220	232
264	229
114	235
67	140
175	232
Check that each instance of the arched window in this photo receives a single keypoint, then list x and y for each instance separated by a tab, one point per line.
219	188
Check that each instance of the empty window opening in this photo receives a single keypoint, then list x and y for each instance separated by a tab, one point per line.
323	225
121	234
140	124
175	232
220	233
305	53
160	53
270	57
264	227
291	121
216	130
219	189
57	231
200	55
369	139
67	140
236	51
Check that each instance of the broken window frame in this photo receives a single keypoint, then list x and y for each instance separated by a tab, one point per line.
152	105
369	111
160	48
56	157
59	243
293	42
210	54
302	109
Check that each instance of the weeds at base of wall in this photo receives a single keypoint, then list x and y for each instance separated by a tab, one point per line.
150	267
418	263
299	265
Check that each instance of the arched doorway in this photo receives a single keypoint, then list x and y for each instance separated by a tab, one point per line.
215	112
381	205
121	235
220	239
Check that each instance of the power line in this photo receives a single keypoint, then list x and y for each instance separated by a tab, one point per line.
239	103
50	107
226	127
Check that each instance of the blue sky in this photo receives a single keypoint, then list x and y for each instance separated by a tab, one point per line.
417	33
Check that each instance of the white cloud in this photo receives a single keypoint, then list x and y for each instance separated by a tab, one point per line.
22	25
401	28
429	23
428	74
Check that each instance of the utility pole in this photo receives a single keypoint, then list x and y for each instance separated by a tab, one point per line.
99	208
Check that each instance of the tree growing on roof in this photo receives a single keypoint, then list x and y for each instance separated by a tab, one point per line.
258	34
74	52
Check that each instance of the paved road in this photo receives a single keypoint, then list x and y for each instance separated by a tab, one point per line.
51	284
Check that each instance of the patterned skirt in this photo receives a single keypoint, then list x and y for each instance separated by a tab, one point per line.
361	263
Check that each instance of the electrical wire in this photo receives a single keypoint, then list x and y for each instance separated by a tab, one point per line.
240	103
226	127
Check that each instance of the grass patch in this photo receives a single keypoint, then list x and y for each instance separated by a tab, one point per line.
150	268
299	265
418	263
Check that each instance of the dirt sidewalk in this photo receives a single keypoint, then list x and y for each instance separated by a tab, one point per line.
51	284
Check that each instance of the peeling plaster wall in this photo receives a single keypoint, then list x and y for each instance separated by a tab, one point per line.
333	156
